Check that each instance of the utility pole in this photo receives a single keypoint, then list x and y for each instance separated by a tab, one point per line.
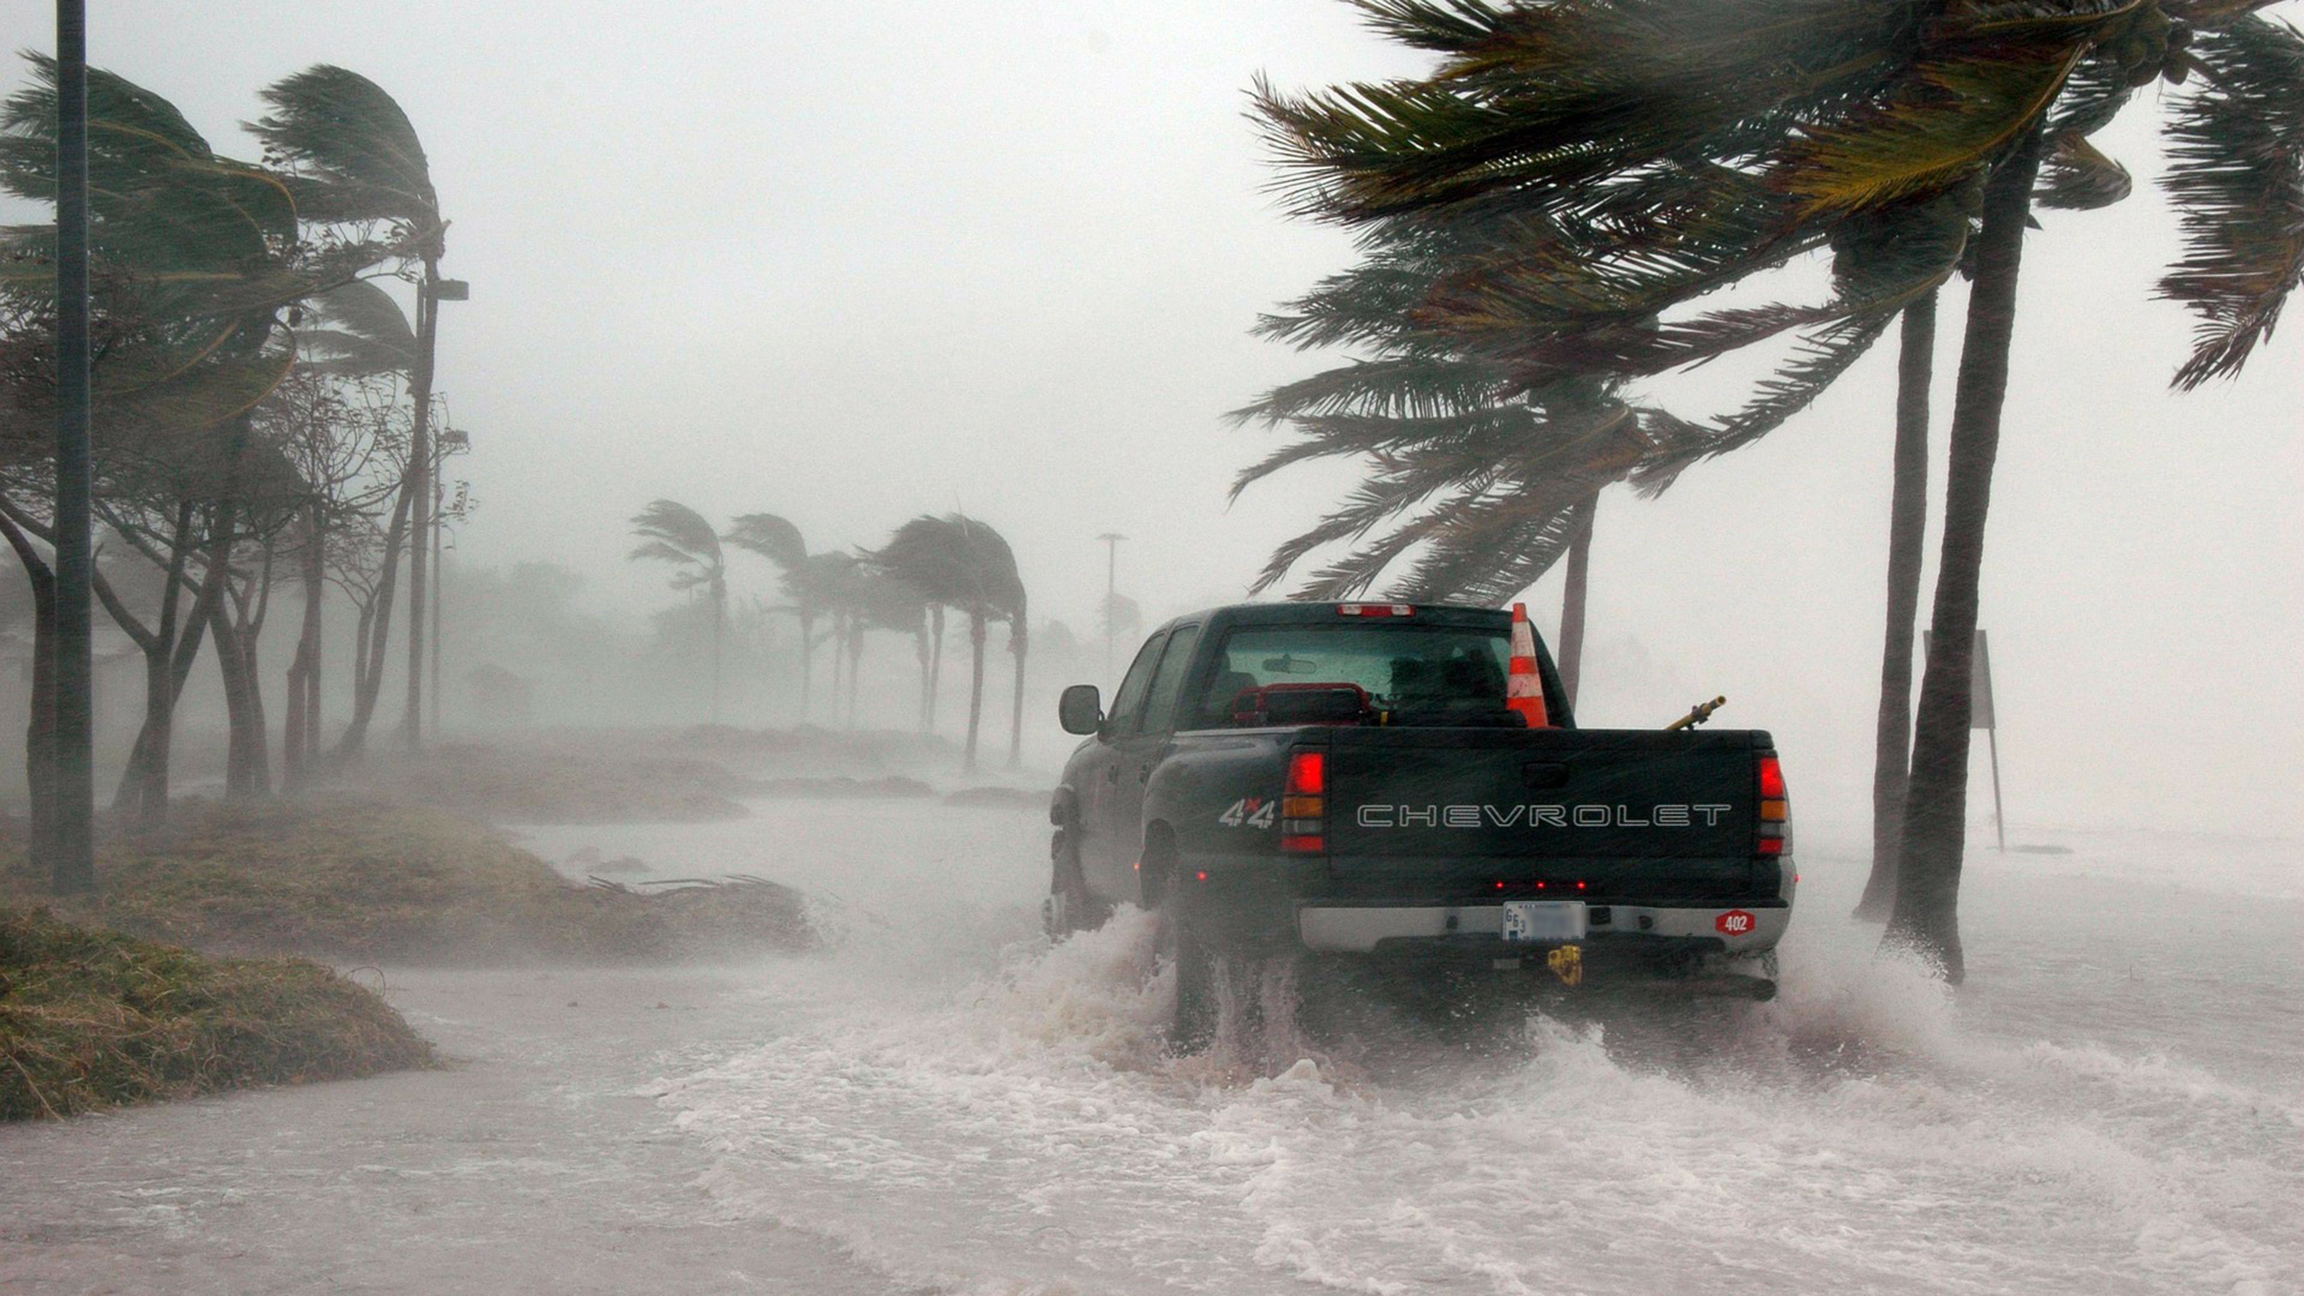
1111	541
73	868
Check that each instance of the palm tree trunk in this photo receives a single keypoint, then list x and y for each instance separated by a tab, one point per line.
976	633
1571	663
1907	534
419	491
920	651
855	664
719	623
1019	644
935	661
1927	911
807	659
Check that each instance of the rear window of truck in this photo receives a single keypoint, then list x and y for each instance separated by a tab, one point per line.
1401	667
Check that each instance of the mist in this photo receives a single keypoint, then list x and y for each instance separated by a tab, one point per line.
855	266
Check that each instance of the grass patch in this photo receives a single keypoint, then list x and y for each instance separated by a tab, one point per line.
583	779
356	880
92	1019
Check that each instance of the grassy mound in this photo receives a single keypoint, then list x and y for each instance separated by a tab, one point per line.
577	779
92	1019
356	880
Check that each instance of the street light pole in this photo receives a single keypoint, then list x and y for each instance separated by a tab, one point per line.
1111	541
73	868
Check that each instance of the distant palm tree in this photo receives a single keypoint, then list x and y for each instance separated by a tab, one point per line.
780	542
677	534
958	562
355	158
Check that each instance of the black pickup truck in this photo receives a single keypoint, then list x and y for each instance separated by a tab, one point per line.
1349	779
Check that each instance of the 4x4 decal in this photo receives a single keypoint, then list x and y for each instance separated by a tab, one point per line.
1255	812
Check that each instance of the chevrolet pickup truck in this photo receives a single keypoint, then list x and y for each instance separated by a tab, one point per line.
1348	780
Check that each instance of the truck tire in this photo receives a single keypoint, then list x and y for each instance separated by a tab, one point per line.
1069	908
1192	1027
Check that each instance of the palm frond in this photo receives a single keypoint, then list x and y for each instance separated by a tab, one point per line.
2236	179
352	146
770	536
676	533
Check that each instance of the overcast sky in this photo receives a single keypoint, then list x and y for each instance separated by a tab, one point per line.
853	263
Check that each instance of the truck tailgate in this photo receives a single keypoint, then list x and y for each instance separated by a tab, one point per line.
1622	811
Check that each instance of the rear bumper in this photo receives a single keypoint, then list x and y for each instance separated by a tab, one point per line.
1478	930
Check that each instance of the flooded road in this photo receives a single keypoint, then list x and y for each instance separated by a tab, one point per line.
942	1102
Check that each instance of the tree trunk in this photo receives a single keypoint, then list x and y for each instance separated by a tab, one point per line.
719	622
40	727
419	491
1571	659
920	652
168	660
1907	534
299	746
935	660
376	626
1019	644
855	664
807	660
1927	911
976	633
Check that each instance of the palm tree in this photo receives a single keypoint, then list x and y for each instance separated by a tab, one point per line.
780	542
356	158
197	258
676	534
1807	124
958	562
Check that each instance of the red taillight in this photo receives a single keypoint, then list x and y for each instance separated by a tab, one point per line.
1774	835
1308	774
1304	804
1375	609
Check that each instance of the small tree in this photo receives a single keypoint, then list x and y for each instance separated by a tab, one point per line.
674	533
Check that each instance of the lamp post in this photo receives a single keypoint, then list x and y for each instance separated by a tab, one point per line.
1111	541
73	866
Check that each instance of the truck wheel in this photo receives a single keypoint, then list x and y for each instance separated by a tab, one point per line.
1193	1025
1069	908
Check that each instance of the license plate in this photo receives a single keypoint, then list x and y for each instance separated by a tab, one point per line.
1545	920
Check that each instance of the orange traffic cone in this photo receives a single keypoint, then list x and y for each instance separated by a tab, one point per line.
1524	690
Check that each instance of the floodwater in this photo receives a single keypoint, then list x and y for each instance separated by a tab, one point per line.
941	1102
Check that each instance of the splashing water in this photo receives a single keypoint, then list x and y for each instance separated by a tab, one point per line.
999	1115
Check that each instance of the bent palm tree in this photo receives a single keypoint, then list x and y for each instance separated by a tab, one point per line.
958	562
676	534
356	158
1810	120
780	542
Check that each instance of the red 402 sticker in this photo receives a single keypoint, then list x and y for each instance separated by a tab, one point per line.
1735	922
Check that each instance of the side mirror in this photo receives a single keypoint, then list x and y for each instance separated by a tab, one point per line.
1080	709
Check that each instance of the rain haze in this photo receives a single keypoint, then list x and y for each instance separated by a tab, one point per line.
850	265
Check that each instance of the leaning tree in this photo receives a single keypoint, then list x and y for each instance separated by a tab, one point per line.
674	533
1762	127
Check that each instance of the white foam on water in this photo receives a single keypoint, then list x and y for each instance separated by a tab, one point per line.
977	1111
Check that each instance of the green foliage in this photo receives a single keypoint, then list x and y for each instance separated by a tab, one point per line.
92	1019
2236	179
353	154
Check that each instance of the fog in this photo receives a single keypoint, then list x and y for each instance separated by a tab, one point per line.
850	265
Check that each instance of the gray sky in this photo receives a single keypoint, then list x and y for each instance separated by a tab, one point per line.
852	263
